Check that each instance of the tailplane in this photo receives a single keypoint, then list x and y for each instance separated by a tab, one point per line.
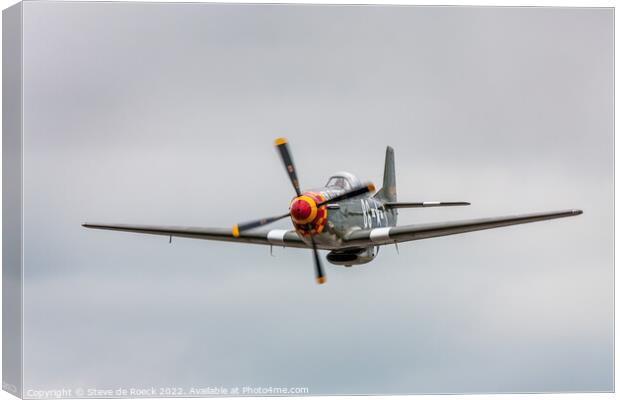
388	191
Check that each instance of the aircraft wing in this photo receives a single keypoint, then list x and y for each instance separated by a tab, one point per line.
397	234
275	237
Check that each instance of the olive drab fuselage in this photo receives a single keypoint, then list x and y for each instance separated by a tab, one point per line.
333	222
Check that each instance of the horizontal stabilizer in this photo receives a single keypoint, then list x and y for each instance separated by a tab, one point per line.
426	204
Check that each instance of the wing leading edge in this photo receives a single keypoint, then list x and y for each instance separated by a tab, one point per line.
275	237
405	233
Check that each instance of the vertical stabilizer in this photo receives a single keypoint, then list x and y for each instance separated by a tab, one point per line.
388	191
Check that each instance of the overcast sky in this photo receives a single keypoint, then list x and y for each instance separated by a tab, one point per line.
166	113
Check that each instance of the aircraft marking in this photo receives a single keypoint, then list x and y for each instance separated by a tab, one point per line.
276	236
380	234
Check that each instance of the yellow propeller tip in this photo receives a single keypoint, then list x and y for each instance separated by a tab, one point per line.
321	280
371	187
235	230
280	141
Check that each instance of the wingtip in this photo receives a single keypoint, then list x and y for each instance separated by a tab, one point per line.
280	141
577	212
235	230
321	280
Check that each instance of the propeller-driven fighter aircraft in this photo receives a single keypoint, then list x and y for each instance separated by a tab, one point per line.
342	217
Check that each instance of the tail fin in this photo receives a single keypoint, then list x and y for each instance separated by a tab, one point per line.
388	191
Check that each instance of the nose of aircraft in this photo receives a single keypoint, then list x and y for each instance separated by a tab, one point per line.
303	209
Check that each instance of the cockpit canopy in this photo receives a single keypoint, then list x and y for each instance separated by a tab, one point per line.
343	180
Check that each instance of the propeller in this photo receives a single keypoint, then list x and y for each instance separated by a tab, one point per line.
320	276
255	224
285	154
287	159
347	195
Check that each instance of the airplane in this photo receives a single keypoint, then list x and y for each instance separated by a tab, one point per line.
342	217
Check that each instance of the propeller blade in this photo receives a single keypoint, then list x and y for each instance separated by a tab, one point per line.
237	229
352	193
320	276
285	154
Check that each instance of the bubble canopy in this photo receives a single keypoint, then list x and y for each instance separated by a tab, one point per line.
343	180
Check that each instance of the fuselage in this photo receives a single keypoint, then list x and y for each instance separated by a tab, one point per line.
329	224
